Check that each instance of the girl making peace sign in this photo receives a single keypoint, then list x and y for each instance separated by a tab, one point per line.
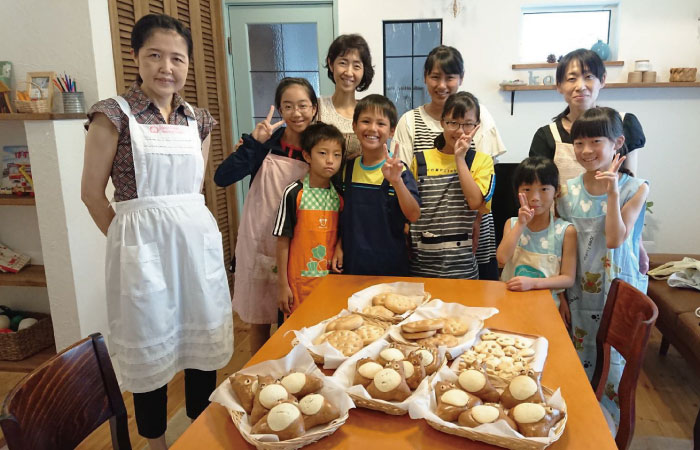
607	208
273	158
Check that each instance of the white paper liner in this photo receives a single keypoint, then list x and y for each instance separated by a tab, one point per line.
332	357
540	345
437	309
361	299
423	407
297	360
345	375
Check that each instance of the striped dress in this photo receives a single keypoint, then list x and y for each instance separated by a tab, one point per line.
424	139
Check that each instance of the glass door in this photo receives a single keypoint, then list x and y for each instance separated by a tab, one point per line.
270	42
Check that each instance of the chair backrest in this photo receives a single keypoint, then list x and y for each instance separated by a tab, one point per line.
505	203
626	325
65	399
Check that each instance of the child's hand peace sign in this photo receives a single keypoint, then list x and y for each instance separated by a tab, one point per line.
611	175
263	130
393	167
463	143
525	213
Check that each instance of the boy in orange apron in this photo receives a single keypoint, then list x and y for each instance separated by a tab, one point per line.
307	218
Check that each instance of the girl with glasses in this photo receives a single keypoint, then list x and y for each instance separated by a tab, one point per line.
454	182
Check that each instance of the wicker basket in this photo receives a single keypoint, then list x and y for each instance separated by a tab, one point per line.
503	441
377	406
290	444
686	74
25	343
42	105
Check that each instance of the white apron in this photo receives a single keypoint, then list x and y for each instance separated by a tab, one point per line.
255	285
535	265
169	305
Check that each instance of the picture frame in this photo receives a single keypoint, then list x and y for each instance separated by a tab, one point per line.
43	81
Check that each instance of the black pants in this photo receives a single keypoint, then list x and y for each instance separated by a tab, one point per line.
151	407
489	270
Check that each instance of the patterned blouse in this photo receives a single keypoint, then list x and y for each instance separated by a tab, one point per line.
145	112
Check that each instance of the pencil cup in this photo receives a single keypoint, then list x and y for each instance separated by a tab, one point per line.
73	102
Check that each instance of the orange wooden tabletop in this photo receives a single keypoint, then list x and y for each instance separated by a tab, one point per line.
526	312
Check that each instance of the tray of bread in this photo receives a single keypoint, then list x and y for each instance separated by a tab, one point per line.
332	341
284	404
442	324
391	302
505	354
520	415
387	377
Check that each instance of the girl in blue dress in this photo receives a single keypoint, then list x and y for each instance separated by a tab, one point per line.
607	207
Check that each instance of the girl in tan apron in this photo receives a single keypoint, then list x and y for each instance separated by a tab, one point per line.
537	249
272	155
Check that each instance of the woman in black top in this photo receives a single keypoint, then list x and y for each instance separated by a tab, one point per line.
580	76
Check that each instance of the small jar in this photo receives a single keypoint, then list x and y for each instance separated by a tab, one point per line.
642	65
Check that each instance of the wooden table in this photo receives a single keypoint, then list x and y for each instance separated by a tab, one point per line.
529	312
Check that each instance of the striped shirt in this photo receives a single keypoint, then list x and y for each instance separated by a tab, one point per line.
441	239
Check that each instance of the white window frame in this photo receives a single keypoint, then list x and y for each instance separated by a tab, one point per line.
613	7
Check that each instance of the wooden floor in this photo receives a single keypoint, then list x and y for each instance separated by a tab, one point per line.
668	394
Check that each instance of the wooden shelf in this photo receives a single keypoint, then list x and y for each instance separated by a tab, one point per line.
554	65
31	275
29	364
42	116
541	87
551	87
15	200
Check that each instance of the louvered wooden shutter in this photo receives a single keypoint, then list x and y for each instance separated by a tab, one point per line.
205	86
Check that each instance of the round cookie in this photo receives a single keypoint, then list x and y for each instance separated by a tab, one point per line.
455	327
349	322
380	299
418	335
379	311
446	340
399	304
369	333
346	341
423	325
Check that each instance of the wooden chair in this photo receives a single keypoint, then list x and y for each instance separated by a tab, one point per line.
65	399
626	324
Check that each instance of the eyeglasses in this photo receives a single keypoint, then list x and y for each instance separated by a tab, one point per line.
454	126
302	108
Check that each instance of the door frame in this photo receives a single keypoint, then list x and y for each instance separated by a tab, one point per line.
229	63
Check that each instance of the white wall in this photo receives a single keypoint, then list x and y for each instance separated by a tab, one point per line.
42	35
486	33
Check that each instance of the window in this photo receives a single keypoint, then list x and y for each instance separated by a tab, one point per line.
561	30
406	45
279	50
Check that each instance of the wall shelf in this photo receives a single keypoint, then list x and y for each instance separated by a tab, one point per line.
554	65
15	200
32	275
541	87
43	116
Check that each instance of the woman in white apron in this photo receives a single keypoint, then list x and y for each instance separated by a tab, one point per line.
417	129
168	300
580	76
349	65
272	156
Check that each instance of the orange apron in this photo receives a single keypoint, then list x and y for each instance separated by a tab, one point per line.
315	236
